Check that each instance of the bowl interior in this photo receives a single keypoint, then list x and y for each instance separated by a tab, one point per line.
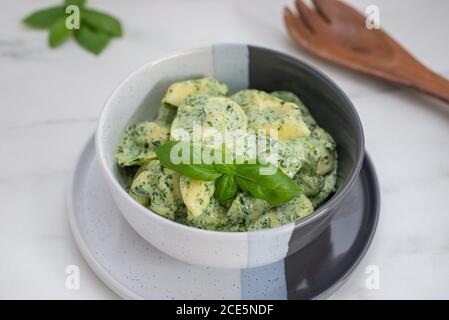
240	66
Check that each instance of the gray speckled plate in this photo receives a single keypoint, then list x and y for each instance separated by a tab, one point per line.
135	270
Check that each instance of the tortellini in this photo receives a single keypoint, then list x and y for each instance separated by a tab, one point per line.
159	189
268	220
291	156
298	208
245	209
318	174
212	218
266	112
323	151
304	151
211	114
179	91
166	115
291	97
139	143
196	195
309	182
330	182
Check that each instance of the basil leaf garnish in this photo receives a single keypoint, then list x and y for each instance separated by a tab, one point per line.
274	188
225	188
262	181
206	172
224	168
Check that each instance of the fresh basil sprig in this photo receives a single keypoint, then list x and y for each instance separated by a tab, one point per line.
95	32
276	188
200	171
225	187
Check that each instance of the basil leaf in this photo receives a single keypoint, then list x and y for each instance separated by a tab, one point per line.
201	171
102	22
58	33
252	187
225	188
79	3
224	168
44	18
276	188
90	40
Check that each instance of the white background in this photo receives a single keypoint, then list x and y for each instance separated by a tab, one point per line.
50	101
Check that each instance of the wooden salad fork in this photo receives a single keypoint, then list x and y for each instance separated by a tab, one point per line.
337	32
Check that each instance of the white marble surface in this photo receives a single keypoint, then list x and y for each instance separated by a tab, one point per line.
50	100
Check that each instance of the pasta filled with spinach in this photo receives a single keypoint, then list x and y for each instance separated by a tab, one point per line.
306	154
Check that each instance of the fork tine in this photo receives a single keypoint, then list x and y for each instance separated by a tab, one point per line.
323	9
297	28
311	17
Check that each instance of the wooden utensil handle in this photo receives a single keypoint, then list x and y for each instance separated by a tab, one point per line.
431	83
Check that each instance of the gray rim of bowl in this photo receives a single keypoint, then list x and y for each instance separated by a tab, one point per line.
315	215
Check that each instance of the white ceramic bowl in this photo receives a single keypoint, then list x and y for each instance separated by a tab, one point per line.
240	66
